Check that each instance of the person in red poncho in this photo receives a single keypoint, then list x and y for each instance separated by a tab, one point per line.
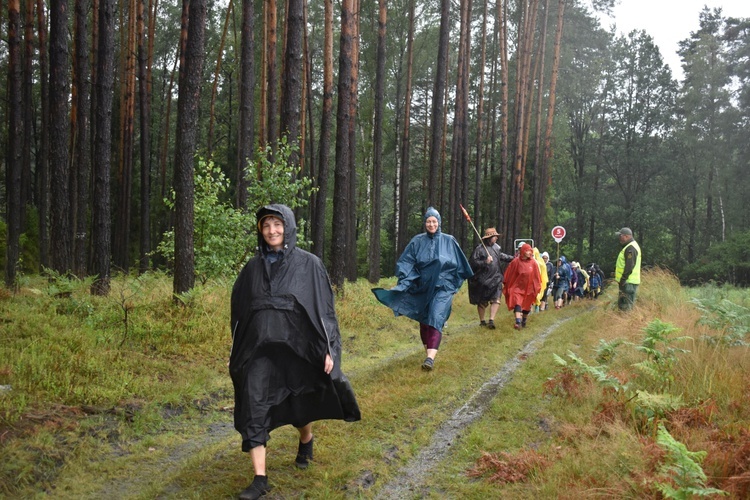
522	285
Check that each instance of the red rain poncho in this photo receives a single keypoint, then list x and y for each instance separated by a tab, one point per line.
522	281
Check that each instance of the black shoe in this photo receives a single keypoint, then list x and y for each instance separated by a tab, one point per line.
257	489
428	364
491	325
483	323
523	323
304	454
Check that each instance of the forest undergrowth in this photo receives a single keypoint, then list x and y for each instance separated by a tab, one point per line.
129	396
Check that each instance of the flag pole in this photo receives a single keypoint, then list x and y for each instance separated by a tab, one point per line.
468	218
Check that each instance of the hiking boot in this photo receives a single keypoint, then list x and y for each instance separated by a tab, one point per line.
523	323
517	326
491	325
482	323
428	364
257	488
304	454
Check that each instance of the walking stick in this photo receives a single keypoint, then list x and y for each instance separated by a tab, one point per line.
468	218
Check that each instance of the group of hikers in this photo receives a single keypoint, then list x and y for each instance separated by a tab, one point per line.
285	361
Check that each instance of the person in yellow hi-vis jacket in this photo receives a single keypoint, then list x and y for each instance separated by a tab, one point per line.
628	269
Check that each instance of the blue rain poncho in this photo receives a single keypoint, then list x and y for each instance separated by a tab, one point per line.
430	271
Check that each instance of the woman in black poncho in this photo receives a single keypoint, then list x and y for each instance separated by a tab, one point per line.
286	346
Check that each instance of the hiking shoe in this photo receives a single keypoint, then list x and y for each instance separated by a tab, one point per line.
491	325
523	323
257	488
428	364
517	326
304	454
483	323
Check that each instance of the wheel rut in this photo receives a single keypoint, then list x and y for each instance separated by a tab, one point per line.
409	481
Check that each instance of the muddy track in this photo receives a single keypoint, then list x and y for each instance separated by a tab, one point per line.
409	481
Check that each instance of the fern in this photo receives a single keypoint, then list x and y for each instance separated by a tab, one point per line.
682	468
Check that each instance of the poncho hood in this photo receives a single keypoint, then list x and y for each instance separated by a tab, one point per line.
290	226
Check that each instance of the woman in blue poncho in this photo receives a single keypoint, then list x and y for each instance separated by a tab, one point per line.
430	271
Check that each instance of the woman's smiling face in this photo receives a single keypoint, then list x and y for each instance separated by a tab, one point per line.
272	229
431	224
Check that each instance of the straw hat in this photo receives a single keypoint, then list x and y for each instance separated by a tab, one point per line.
489	233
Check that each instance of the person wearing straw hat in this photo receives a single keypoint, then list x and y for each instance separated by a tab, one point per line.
485	287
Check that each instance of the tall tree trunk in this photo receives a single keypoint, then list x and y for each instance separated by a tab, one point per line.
502	213
351	227
121	250
215	86
13	161
186	142
28	112
59	83
82	156
102	226
441	75
341	203
547	155
459	149
168	113
272	109
291	85
377	162
525	43
538	205
319	216
144	93
402	238
247	101
478	215
42	163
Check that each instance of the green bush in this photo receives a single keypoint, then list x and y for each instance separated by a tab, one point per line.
726	262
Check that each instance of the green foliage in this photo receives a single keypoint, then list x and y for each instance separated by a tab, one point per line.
278	181
650	407
682	468
645	406
660	355
221	239
726	316
605	351
598	373
724	262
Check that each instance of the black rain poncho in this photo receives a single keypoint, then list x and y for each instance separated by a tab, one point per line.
283	324
486	283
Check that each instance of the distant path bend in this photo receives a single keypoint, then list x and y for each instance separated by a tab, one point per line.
407	482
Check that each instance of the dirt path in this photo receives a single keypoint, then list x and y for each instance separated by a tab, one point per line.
409	482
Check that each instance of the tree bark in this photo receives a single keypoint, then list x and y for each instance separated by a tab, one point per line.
438	94
291	84
247	102
186	142
319	217
59	83
144	100
272	122
102	227
404	182
341	203
82	138
13	161
377	163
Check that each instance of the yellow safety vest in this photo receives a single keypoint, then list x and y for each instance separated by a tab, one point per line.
635	275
